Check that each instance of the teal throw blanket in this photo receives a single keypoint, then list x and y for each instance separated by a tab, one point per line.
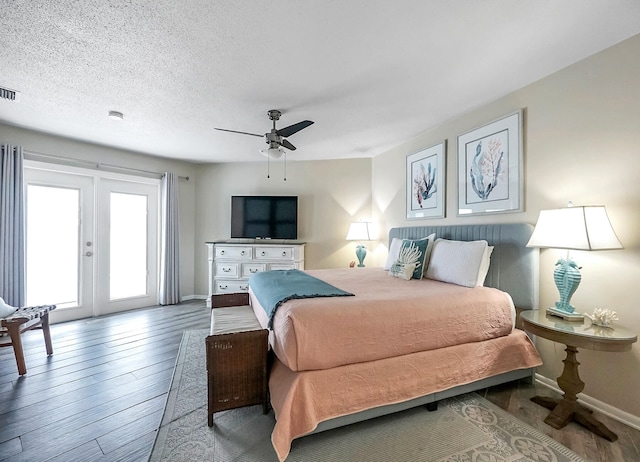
273	288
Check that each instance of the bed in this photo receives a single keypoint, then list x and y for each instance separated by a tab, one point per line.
399	343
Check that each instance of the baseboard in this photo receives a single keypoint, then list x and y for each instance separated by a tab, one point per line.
186	298
594	404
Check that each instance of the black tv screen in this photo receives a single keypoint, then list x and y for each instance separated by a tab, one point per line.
264	217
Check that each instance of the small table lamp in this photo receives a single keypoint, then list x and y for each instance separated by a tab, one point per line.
579	228
360	231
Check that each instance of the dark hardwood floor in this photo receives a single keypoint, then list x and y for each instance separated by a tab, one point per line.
100	397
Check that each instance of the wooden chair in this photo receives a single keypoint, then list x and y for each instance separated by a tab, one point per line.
24	319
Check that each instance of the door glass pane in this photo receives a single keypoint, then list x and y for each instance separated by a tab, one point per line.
53	224
128	246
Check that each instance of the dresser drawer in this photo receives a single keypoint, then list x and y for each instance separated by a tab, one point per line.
282	266
233	252
251	268
274	253
226	287
227	269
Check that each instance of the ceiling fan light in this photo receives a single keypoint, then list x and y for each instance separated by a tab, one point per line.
272	153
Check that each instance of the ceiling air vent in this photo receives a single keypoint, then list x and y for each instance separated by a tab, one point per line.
11	95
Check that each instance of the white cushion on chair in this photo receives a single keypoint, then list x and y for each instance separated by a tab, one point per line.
6	310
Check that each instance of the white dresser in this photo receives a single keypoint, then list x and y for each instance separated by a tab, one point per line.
231	263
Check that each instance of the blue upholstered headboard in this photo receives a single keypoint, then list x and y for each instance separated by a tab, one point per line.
514	267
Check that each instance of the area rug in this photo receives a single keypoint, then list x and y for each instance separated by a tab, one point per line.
467	428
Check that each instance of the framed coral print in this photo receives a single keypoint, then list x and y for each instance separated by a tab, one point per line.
425	183
490	168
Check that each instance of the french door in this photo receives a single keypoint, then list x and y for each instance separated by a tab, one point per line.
128	245
92	241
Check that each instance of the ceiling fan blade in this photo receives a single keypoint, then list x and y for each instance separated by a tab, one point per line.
291	129
236	131
289	146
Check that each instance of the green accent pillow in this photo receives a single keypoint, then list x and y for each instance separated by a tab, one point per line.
417	251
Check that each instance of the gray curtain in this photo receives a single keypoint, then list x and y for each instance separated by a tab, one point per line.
169	241
12	225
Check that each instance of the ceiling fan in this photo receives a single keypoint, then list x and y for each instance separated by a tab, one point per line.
276	139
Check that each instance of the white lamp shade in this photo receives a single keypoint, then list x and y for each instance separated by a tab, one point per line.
360	231
578	228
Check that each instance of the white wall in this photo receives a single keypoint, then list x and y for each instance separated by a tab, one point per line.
53	145
582	143
331	194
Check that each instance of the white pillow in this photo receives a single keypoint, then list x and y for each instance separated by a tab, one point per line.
402	270
394	251
459	262
6	310
432	240
484	265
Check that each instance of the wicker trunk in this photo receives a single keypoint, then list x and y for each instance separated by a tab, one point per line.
236	361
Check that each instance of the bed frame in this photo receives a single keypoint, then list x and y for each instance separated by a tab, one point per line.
514	269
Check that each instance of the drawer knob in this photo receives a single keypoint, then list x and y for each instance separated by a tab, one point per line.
242	253
222	287
284	253
253	270
263	253
222	252
226	270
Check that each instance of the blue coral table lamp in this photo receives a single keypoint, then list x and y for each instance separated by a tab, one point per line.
360	231
579	228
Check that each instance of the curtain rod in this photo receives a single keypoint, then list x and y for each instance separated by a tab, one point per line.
96	165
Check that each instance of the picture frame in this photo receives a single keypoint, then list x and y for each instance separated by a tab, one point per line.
426	182
490	168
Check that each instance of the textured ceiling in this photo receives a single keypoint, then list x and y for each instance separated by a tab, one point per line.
370	73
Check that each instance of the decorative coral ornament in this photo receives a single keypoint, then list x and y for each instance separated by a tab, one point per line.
602	317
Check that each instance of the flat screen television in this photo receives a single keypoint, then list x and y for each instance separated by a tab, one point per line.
264	217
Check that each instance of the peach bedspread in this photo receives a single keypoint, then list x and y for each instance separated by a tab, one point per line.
303	399
388	317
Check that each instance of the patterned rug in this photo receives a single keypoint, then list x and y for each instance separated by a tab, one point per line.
467	428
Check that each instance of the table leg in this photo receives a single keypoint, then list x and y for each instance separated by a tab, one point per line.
567	409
